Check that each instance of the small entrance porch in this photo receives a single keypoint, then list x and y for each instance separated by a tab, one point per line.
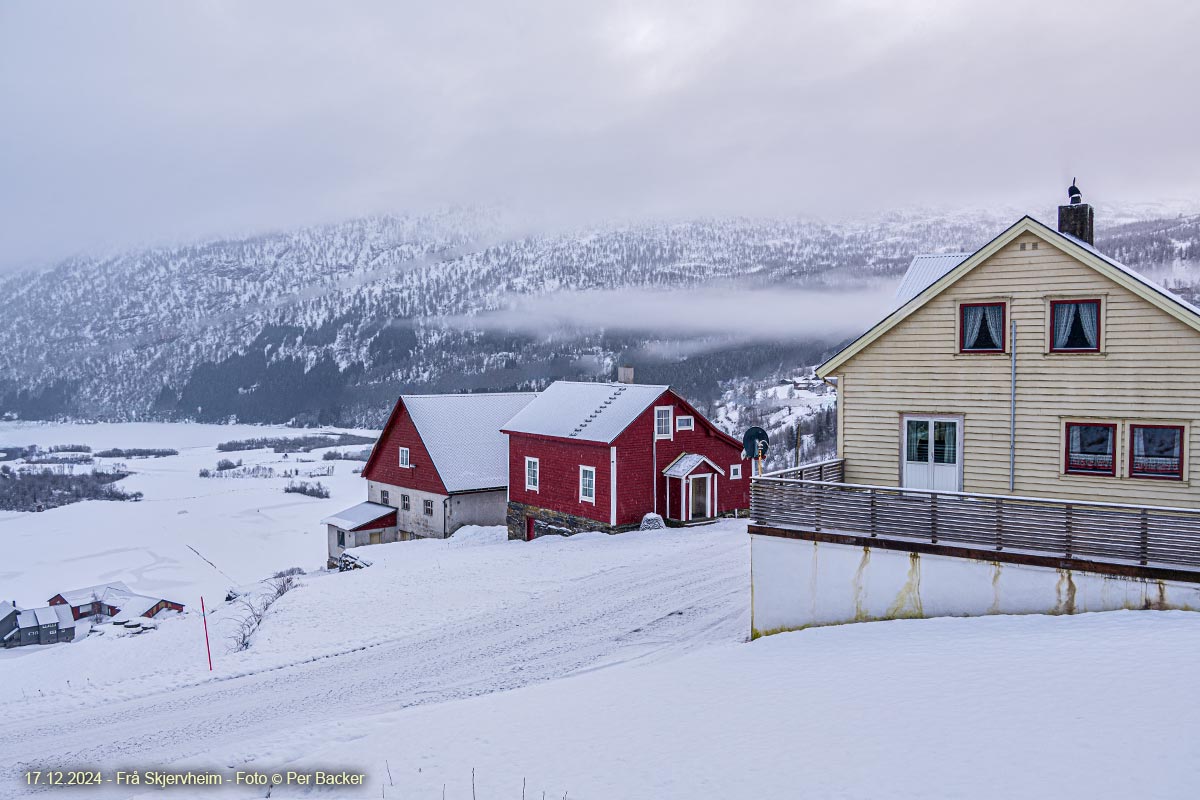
692	489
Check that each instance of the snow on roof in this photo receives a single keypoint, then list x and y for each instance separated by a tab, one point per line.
65	618
131	606
592	412
1112	262
81	597
6	608
923	272
462	434
27	619
361	514
682	466
46	616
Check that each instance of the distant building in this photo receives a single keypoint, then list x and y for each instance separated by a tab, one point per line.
600	456
9	631
440	463
115	600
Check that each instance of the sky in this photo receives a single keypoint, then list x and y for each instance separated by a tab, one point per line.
132	123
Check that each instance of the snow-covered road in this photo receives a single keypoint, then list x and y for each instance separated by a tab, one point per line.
481	620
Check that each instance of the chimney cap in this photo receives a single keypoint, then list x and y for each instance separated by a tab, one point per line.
1073	193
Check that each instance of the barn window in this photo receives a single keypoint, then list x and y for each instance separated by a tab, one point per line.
685	424
981	328
531	474
587	484
1156	451
1091	448
383	497
404	503
404	462
662	422
735	472
1075	326
429	508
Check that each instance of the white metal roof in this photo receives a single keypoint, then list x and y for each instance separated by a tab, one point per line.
682	466
81	597
923	272
65	618
462	434
361	514
591	412
46	616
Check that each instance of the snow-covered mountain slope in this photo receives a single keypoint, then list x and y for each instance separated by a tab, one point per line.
326	324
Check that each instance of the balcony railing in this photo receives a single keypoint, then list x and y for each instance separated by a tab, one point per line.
1110	532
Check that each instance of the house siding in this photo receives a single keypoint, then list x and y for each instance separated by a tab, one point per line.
1147	371
558	475
414	521
384	464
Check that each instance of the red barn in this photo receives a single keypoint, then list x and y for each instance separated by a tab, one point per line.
600	456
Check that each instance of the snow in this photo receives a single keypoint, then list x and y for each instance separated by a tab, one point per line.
591	412
595	665
361	514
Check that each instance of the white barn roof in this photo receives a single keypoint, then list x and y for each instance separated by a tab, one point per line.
358	515
84	596
462	434
590	412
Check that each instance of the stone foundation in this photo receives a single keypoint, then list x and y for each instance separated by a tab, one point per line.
548	522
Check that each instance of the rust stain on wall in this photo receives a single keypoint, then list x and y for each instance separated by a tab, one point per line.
908	601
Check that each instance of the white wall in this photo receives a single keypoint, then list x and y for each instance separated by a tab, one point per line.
477	508
797	584
414	520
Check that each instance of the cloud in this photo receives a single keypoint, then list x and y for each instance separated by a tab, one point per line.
725	314
131	122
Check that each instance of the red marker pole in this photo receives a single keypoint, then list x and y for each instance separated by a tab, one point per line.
207	646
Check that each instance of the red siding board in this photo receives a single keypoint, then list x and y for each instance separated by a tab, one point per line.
558	470
384	464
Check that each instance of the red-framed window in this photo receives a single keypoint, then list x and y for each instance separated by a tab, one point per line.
1091	448
1156	451
981	327
1075	326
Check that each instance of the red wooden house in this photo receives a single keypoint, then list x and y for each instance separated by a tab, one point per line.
600	456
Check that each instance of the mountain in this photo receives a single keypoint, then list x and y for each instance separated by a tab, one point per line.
325	325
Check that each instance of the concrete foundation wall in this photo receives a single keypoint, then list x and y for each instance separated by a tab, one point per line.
476	508
798	584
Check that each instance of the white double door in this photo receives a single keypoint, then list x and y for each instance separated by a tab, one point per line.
932	452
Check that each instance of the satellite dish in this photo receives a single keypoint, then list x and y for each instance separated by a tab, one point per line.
755	443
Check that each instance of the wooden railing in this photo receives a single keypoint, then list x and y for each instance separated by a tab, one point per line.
1126	534
832	471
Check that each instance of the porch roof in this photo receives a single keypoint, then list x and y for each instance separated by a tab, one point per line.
359	515
686	463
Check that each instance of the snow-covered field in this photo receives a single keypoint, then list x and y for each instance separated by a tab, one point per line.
590	667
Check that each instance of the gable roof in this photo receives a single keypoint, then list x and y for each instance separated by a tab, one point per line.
589	412
462	434
6	608
1081	251
924	270
84	596
684	463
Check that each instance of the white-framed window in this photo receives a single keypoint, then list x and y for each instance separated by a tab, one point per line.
404	462
531	474
587	484
662	422
429	508
735	472
404	503
685	424
384	496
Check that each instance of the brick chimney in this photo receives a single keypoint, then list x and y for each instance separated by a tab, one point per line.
624	374
1077	218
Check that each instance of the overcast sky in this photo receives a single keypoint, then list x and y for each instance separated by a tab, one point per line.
128	123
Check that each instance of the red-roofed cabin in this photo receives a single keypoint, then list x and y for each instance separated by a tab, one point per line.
600	456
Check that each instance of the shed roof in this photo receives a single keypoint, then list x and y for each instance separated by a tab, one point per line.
686	463
590	412
462	434
359	515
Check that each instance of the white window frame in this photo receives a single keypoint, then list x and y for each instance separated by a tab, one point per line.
582	497
537	474
670	422
405	458
735	472
405	504
429	508
681	426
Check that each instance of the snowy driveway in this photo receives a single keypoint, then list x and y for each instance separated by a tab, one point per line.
468	621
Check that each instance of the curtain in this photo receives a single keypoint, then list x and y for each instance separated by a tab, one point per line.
1089	314
972	319
1064	318
995	323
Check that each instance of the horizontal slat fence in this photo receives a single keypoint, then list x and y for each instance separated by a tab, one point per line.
1114	532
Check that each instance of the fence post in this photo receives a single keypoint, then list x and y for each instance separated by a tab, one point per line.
820	500
999	524
1067	522
1144	526
933	517
871	493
